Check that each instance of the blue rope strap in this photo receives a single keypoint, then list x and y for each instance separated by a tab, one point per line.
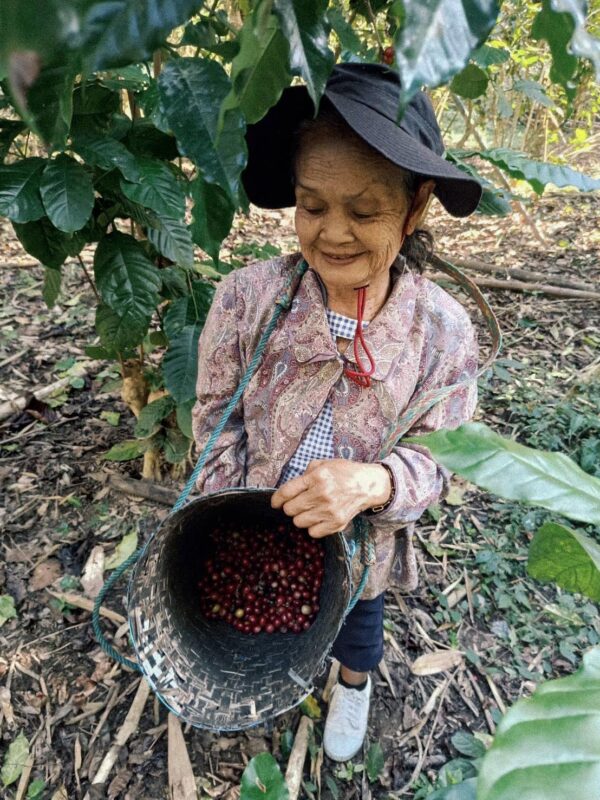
361	528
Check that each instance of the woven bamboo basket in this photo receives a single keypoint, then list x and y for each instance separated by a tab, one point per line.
205	671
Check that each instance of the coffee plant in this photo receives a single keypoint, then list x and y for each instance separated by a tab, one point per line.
122	128
122	133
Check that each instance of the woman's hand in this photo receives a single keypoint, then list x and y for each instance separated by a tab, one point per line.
331	493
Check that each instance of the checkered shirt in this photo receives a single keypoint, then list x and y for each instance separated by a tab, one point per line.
317	441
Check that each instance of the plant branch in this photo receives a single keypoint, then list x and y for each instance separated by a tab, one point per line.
89	278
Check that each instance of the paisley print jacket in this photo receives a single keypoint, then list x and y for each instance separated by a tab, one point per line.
421	339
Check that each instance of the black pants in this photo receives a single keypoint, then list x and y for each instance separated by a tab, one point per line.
359	645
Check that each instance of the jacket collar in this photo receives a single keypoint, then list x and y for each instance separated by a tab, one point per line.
386	335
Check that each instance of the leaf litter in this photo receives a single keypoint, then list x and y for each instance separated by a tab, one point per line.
66	702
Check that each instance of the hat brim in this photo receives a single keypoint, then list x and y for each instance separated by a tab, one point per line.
268	177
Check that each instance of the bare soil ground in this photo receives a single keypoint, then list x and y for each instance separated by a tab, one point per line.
69	699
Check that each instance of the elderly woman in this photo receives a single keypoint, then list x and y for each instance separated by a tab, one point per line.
365	336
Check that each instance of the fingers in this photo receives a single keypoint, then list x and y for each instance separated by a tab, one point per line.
289	490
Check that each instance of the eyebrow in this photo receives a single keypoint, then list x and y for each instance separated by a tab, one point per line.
316	191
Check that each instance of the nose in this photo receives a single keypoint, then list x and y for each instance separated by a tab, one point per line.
336	228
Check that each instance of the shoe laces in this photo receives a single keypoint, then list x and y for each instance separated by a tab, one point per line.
350	703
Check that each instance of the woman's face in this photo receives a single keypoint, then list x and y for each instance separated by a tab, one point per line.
351	211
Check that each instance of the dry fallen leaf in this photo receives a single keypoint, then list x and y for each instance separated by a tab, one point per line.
45	574
438	661
92	578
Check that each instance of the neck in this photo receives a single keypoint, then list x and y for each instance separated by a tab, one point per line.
344	299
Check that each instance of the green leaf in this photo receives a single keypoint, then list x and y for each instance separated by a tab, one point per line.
50	105
157	188
583	44
262	780
344	31
174	284
192	91
180	364
116	333
126	279
176	446
20	198
310	707
112	417
486	56
534	91
516	472
471	82
152	415
119	32
131	77
127	450
548	746
184	417
51	288
467	744
145	139
303	24
494	200
537	173
14	761
94	107
123	550
36	790
375	761
173	239
465	790
212	216
7	608
437	37
107	153
189	310
569	558
46	243
259	72
67	193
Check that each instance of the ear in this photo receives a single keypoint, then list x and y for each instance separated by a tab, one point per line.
419	206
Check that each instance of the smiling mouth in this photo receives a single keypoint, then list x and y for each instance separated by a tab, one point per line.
348	257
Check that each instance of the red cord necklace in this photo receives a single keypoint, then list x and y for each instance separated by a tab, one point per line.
361	376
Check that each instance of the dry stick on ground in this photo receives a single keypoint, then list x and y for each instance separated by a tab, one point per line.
182	784
387	677
520	286
331	679
143	488
130	725
515	272
17	404
87	605
295	767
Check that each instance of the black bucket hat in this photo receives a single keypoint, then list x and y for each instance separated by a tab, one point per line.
367	97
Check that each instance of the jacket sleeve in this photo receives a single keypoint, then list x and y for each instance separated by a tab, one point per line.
419	480
219	373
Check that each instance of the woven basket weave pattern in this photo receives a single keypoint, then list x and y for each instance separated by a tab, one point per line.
205	671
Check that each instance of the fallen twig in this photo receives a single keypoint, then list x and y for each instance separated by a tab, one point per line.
331	679
79	601
520	286
182	784
295	767
481	698
143	488
516	272
16	404
127	728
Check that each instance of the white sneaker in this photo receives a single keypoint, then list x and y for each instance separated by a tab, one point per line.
346	724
